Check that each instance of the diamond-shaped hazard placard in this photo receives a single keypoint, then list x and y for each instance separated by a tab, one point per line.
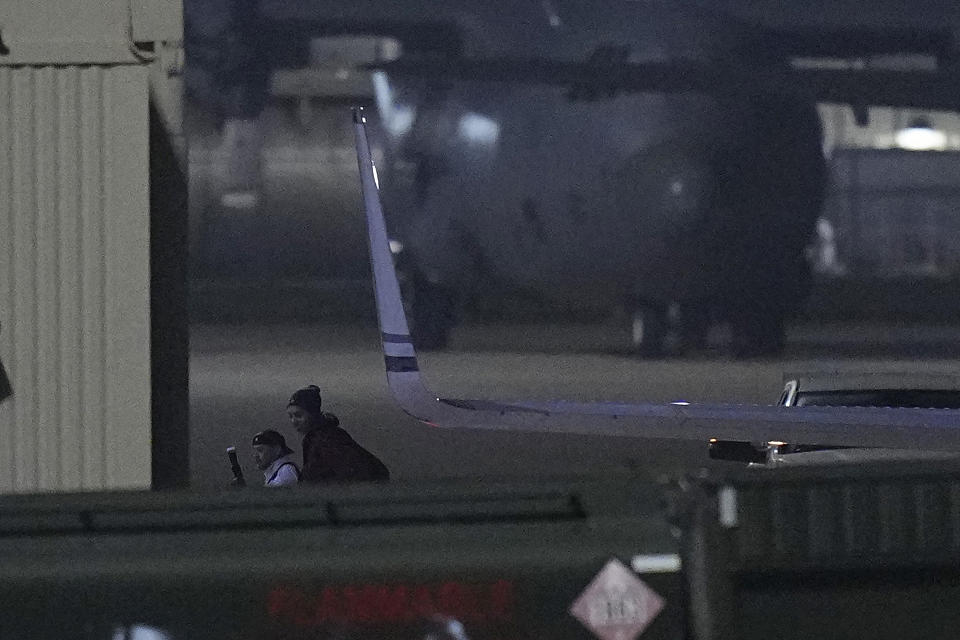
617	605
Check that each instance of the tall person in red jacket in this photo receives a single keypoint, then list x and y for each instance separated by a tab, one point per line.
329	453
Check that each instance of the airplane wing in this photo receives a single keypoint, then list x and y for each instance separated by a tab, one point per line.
606	74
928	429
849	65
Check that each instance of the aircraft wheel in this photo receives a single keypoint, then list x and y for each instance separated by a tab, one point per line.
648	331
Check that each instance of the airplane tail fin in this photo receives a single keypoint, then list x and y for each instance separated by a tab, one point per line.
400	358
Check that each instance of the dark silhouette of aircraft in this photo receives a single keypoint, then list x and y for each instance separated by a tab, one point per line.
648	155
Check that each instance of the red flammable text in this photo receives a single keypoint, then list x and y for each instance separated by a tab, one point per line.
397	603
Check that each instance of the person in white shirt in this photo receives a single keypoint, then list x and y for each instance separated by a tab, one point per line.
275	459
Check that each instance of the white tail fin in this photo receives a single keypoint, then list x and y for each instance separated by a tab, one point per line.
403	371
933	429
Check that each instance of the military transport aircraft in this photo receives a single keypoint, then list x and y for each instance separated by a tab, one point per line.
895	428
652	155
673	164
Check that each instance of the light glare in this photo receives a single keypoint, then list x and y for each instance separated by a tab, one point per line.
921	139
239	199
139	632
397	119
478	129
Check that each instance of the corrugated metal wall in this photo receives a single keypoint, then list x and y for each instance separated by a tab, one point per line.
74	277
896	212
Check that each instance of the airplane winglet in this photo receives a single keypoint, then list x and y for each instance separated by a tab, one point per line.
931	429
400	358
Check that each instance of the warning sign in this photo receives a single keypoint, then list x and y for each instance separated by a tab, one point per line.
617	605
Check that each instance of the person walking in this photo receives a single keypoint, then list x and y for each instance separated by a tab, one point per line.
330	454
275	459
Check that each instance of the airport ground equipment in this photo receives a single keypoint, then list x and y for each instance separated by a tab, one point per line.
844	389
839	551
830	552
477	560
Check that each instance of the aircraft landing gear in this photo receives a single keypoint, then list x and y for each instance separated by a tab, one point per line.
670	330
648	331
757	329
432	313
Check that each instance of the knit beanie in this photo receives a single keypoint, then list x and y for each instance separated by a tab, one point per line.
307	399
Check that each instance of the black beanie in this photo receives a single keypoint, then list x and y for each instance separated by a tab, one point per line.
307	399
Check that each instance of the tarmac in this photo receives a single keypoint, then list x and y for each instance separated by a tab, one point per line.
243	374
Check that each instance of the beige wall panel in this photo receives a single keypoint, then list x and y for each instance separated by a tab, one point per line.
74	290
128	279
85	31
